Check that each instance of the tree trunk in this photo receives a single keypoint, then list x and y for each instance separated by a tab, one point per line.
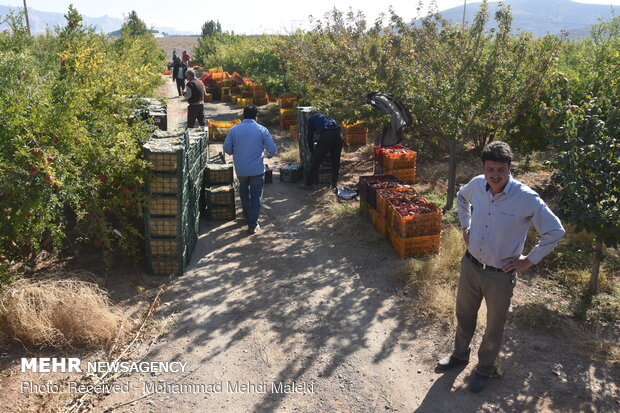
452	145
596	265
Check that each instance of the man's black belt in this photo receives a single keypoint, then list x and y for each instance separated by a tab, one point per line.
479	264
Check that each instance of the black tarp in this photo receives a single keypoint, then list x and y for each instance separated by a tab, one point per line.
392	134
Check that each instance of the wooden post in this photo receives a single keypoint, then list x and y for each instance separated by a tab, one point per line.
27	20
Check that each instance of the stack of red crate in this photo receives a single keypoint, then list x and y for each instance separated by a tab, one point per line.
396	160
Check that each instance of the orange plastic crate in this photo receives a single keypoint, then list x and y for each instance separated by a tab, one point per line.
355	138
287	102
355	128
414	246
379	222
288	114
399	159
407	175
259	93
219	130
415	225
220	75
382	200
364	208
287	123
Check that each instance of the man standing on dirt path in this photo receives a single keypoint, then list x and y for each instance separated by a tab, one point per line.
195	94
329	142
246	143
495	212
178	75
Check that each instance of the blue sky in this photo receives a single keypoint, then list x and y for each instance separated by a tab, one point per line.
242	16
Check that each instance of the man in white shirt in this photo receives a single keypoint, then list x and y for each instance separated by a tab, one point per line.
495	212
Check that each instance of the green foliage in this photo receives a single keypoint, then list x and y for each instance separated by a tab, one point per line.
210	38
211	28
587	165
71	163
263	58
134	27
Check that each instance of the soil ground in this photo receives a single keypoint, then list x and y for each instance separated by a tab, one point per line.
309	303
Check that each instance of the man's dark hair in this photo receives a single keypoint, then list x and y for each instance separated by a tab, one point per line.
497	151
250	112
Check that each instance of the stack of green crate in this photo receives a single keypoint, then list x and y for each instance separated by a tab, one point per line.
173	185
325	170
219	192
155	109
200	135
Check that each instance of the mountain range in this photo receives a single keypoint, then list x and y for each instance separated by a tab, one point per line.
41	20
541	17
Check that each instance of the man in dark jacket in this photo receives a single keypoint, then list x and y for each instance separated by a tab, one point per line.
329	142
195	94
178	74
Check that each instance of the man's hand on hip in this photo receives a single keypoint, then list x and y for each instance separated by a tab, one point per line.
516	264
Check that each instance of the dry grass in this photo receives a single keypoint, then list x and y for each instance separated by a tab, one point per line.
593	343
367	150
180	43
58	313
434	279
290	153
537	316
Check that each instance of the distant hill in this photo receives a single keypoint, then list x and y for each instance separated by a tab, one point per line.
541	17
40	20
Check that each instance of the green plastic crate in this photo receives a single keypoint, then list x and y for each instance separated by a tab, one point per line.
220	195
217	174
221	213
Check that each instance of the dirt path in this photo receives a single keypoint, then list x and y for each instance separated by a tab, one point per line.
306	303
309	315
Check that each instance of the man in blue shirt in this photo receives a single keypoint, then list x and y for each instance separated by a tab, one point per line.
495	212
330	141
246	142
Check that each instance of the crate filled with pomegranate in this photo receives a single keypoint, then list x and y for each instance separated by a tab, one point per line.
368	185
384	195
412	216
